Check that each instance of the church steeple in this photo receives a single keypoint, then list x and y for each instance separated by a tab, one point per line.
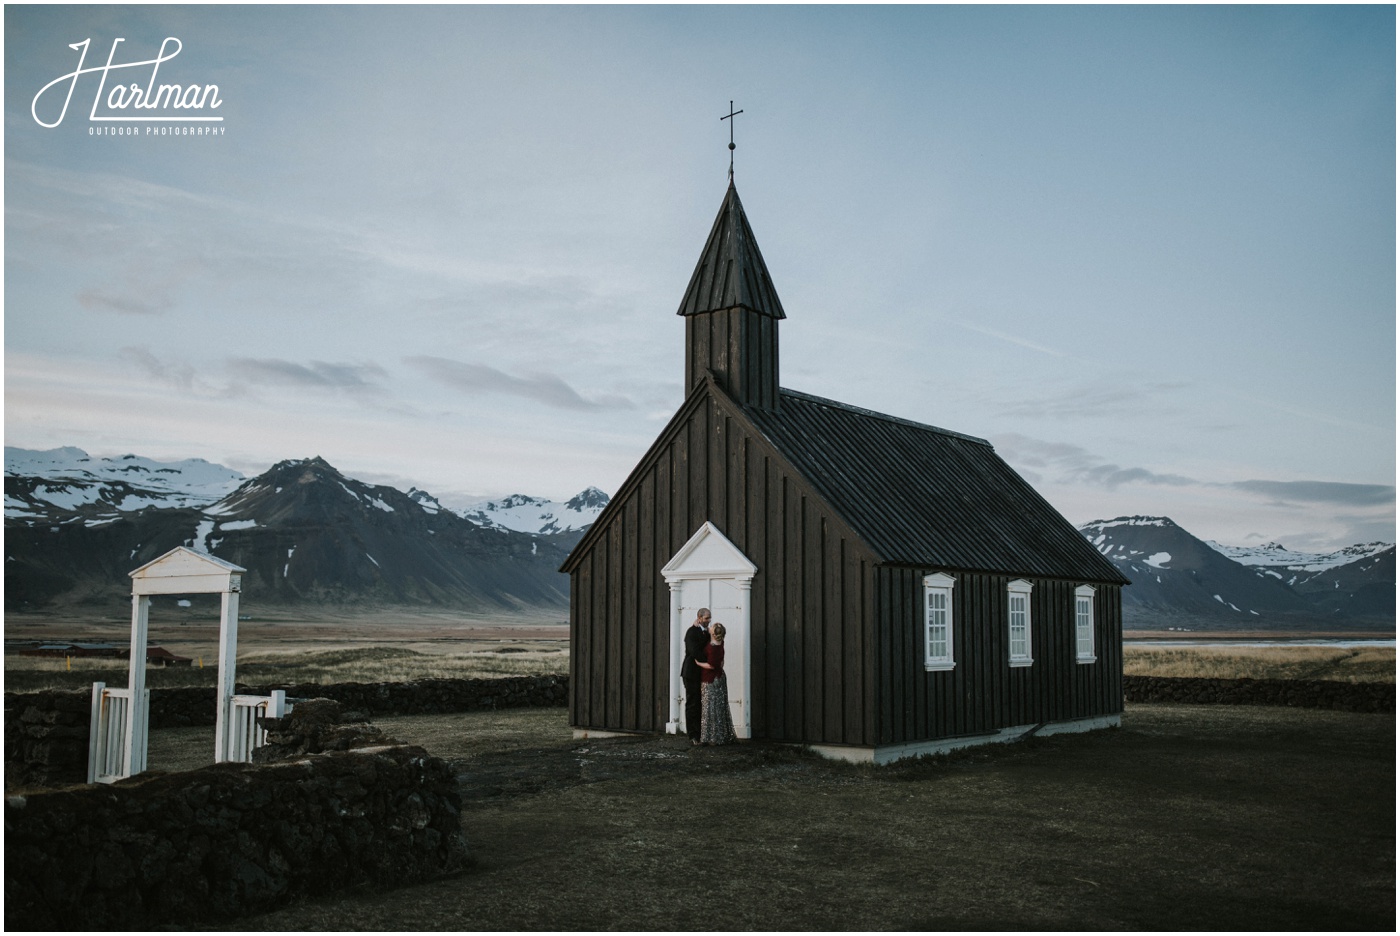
732	312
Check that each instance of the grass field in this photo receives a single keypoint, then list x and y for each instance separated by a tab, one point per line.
1186	818
1343	664
323	667
283	648
363	655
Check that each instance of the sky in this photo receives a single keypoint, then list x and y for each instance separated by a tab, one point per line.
1148	252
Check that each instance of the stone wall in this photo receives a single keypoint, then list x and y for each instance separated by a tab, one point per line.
1325	694
175	708
435	696
46	733
226	840
46	737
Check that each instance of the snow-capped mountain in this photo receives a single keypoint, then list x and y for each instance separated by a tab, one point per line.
66	485
1178	579
1357	579
1275	555
305	533
526	514
76	525
425	500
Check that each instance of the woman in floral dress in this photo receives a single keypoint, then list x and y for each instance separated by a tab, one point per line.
716	724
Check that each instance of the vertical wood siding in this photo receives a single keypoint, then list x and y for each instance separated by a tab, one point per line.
740	347
983	692
811	606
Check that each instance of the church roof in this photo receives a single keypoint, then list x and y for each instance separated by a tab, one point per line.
731	272
924	496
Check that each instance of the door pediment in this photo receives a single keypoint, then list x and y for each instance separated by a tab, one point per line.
708	554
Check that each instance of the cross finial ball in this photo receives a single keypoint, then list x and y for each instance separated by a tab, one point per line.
729	117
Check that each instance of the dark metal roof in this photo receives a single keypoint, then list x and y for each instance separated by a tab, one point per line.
924	496
731	272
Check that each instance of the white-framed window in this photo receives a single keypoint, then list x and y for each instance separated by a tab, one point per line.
1084	624
1018	622
938	622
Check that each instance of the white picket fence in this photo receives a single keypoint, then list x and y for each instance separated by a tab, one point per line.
245	736
113	755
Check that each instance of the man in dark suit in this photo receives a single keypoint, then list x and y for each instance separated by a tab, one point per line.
697	638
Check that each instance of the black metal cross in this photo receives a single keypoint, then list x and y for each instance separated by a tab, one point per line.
729	116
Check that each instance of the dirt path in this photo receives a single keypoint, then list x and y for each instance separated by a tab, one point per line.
1185	818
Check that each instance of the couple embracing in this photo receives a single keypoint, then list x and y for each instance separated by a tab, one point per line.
707	718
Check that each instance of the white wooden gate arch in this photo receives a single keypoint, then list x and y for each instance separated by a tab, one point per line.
121	717
710	572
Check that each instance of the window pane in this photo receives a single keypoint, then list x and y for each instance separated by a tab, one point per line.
1019	636
937	639
1084	626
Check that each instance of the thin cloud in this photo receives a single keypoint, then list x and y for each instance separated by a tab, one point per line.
1012	339
1368	529
542	388
127	305
1321	492
177	374
1076	465
1071	464
315	375
1091	401
1111	476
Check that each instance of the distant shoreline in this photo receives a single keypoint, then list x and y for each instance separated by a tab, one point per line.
1142	640
1272	636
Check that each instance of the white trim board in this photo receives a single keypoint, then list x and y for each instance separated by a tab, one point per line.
584	733
889	753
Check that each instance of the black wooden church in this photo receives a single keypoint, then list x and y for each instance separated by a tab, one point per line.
889	588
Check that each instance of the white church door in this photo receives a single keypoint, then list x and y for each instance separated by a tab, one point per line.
710	572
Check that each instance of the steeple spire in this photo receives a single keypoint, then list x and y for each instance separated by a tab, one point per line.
732	312
731	272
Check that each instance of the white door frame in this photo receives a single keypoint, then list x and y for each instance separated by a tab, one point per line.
710	555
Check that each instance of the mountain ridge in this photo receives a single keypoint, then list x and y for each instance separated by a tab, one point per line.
1272	555
526	514
65	484
1179	578
75	525
306	534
